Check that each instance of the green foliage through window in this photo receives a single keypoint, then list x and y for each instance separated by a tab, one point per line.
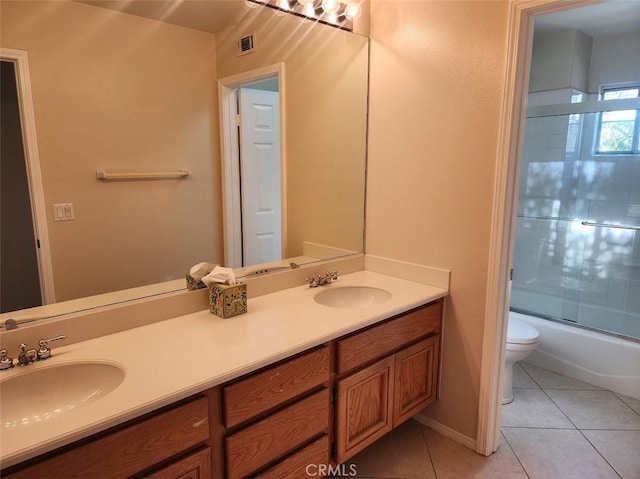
619	131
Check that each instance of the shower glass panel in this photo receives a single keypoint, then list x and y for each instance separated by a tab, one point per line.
577	245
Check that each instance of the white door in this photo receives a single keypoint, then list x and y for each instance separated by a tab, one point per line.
260	176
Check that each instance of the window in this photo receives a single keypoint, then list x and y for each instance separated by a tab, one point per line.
574	128
619	131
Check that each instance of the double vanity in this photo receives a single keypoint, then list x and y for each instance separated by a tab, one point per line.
308	377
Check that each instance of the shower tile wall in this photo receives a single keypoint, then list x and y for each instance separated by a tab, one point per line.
589	275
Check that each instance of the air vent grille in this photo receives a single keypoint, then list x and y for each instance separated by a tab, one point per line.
246	44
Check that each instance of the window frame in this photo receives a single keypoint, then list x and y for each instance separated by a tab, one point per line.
635	136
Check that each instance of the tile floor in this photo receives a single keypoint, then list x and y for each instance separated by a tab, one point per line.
556	428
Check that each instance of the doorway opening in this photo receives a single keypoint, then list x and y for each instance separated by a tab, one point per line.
26	274
252	126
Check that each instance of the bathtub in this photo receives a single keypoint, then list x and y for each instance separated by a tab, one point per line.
606	361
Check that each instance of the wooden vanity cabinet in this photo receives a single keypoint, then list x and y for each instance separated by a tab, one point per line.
171	443
392	371
317	408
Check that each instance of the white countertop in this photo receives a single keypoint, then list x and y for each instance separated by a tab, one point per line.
173	359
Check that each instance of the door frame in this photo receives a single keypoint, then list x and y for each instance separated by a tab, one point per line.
34	176
505	201
231	201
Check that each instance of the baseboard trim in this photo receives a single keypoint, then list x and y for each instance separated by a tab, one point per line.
446	431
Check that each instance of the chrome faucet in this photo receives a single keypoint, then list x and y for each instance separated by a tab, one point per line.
319	280
44	351
27	356
5	361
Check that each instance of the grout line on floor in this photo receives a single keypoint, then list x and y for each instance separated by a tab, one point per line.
571	389
599	453
561	410
626	404
581	431
607	429
618	395
514	454
426	445
530	376
548	427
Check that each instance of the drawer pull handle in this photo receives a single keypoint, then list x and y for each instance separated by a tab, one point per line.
200	422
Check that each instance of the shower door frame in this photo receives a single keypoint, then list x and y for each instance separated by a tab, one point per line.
505	200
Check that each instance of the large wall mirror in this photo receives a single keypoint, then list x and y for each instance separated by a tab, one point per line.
133	87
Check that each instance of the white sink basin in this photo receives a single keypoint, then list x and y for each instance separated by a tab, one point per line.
48	393
351	296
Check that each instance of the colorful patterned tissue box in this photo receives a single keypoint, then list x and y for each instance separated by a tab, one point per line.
228	300
192	284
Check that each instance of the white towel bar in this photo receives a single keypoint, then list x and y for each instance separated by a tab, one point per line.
141	176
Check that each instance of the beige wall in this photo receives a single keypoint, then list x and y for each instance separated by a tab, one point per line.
437	75
326	99
118	92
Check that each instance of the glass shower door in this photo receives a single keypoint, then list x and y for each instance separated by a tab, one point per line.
577	247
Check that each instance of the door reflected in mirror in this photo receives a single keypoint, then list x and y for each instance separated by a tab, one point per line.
122	92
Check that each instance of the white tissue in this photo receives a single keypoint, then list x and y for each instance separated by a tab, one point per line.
220	275
198	271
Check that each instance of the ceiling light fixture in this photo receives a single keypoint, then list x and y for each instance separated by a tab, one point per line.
336	13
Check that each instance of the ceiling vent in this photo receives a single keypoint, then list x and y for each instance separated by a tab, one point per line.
247	44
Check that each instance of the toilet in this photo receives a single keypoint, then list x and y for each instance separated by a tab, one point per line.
522	339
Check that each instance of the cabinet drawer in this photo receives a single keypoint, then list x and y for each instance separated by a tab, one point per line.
273	386
132	449
384	338
310	461
265	441
194	466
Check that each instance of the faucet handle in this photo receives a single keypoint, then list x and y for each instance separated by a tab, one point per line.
26	356
5	361
312	280
44	351
332	274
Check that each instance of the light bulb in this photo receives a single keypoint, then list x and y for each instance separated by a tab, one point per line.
352	11
330	6
308	7
284	4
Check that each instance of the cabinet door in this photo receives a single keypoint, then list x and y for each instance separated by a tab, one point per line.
364	408
416	378
195	466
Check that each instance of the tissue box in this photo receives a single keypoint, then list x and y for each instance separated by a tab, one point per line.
192	284
227	300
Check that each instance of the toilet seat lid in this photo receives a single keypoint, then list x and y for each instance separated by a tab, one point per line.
520	332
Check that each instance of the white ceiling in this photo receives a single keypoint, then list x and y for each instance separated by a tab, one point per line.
611	17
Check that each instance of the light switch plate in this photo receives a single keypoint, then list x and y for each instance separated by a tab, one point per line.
63	212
